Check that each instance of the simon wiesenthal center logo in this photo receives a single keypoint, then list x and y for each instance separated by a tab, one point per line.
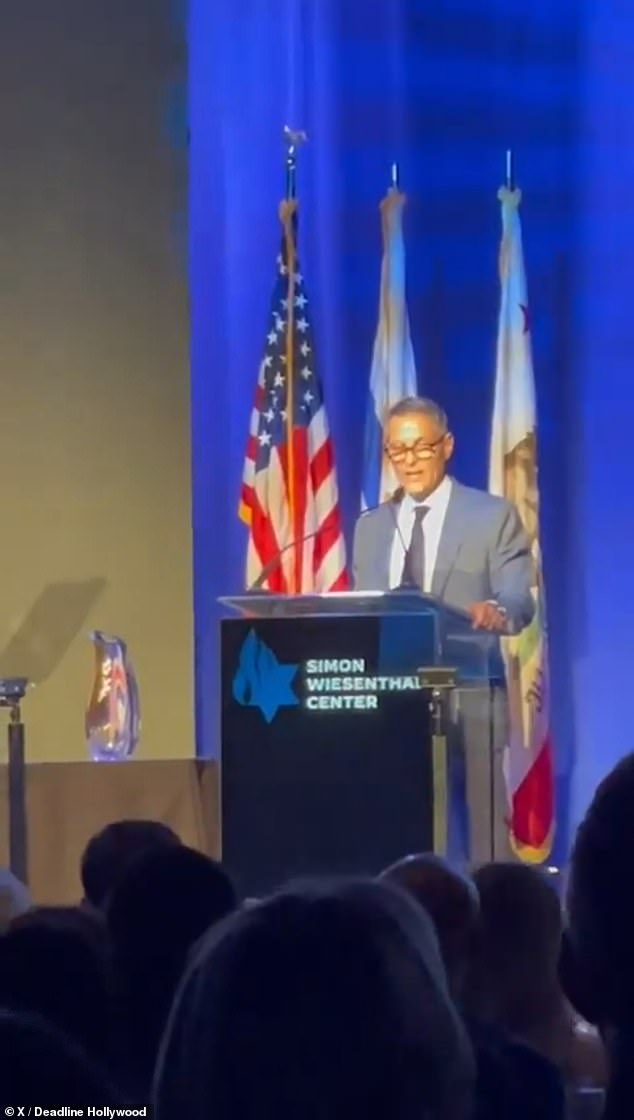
316	684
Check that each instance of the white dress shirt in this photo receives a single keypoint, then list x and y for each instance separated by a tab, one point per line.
436	505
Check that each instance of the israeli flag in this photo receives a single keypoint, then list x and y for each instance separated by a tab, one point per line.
393	373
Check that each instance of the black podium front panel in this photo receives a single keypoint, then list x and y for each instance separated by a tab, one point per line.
326	759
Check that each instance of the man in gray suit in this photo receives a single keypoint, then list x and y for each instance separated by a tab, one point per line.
463	546
468	549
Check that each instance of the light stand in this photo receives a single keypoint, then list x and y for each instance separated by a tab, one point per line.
12	692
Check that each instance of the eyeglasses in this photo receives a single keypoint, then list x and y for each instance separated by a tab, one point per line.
398	452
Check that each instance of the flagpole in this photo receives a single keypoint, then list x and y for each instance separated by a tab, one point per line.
289	207
510	170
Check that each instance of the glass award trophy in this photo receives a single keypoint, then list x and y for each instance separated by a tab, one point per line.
112	717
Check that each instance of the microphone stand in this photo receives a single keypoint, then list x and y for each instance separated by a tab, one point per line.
274	563
12	692
439	682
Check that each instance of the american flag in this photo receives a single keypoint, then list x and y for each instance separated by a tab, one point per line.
289	485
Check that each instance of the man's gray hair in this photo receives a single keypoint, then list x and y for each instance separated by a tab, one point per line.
421	406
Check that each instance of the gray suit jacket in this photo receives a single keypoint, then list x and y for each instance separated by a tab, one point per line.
483	553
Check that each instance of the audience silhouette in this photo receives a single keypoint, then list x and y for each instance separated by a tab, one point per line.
114	848
53	964
596	959
40	1064
513	1082
323	1001
426	994
156	912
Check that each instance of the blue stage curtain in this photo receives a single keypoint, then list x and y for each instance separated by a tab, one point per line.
444	89
601	579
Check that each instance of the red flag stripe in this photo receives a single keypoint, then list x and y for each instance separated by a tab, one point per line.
322	465
534	803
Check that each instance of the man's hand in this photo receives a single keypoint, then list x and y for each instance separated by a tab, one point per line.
488	616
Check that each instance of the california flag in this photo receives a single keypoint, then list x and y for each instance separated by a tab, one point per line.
513	475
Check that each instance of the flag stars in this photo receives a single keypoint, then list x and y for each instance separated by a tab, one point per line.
288	348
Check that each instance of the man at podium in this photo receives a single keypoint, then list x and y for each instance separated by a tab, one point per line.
465	547
469	550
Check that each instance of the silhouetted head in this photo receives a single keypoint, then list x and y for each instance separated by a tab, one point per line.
39	1064
418	444
514	978
156	913
450	899
87	923
597	966
325	1000
165	902
55	966
110	852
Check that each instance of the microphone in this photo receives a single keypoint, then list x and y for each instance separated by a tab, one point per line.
277	559
395	500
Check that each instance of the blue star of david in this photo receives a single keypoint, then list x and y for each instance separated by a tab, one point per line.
261	681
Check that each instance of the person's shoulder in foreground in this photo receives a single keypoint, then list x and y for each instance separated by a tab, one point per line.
513	1079
596	963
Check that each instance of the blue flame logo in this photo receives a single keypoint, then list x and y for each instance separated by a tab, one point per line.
261	682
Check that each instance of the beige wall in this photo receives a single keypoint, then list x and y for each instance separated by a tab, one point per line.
94	414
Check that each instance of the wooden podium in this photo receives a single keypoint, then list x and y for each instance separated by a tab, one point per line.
337	723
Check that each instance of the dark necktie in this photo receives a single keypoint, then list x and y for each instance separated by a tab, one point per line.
414	566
